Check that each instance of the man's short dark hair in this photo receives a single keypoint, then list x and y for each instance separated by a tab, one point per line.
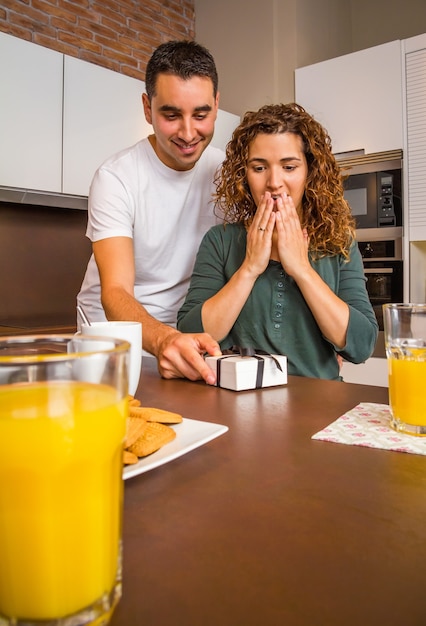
180	58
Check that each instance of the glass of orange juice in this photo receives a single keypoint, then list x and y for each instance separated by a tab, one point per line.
63	406
405	341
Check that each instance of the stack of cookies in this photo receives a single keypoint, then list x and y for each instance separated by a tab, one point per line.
147	430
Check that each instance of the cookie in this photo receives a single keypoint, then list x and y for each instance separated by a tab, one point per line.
134	429
152	439
129	458
155	415
133	401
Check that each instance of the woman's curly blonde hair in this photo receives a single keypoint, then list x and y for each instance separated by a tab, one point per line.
326	214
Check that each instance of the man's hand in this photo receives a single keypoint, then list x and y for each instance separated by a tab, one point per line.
180	355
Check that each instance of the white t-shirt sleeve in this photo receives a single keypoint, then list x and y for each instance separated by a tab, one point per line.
111	208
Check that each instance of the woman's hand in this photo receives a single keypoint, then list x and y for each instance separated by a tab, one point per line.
292	240
219	312
329	311
259	237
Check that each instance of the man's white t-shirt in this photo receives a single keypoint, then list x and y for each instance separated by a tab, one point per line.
166	213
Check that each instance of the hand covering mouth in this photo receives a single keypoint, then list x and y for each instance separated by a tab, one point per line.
275	197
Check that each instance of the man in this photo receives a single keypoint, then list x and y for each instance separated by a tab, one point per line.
149	207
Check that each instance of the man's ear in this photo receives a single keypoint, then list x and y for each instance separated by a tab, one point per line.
147	108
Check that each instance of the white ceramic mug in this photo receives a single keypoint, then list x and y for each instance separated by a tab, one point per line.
131	332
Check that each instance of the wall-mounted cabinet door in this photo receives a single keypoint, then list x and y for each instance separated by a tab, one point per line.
30	115
103	114
224	127
415	161
61	117
415	148
357	97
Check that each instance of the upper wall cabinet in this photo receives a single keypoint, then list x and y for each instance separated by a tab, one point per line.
415	157
415	147
224	127
103	114
30	115
357	97
61	117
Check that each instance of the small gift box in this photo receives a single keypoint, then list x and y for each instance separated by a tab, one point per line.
248	370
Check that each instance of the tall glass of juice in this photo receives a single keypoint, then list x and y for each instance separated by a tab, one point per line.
405	341
63	406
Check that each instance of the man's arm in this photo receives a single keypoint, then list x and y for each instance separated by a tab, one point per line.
179	355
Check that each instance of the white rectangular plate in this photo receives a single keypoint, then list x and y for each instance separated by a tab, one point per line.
190	434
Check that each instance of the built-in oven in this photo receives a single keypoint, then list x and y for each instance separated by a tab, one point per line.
373	188
381	251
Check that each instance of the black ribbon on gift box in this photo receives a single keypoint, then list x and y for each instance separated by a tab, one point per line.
259	355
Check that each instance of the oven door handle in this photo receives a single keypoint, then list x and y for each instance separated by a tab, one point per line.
378	270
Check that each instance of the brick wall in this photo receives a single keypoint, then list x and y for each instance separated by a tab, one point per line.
117	34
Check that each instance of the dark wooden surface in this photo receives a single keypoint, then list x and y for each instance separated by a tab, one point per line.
264	526
39	330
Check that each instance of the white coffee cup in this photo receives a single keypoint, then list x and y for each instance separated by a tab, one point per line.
92	367
131	332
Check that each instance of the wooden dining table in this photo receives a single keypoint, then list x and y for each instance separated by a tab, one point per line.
264	526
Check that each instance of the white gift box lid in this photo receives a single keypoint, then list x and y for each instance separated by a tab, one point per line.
241	372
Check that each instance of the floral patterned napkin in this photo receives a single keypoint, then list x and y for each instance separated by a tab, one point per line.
368	424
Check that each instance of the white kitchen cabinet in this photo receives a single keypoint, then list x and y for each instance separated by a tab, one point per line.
414	50
30	115
417	273
224	127
415	136
357	97
103	114
61	117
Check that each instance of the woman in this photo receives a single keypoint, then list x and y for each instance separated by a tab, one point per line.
284	273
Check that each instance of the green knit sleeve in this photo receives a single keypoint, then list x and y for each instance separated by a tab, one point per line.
207	279
363	328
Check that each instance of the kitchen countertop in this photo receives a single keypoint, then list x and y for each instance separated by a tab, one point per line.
40	330
379	350
264	525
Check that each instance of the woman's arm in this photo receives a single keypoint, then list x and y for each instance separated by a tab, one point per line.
345	317
219	287
330	312
221	307
362	331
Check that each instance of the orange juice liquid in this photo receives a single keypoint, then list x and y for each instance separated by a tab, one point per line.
61	495
407	387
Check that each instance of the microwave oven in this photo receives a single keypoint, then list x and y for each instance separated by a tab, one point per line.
373	188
